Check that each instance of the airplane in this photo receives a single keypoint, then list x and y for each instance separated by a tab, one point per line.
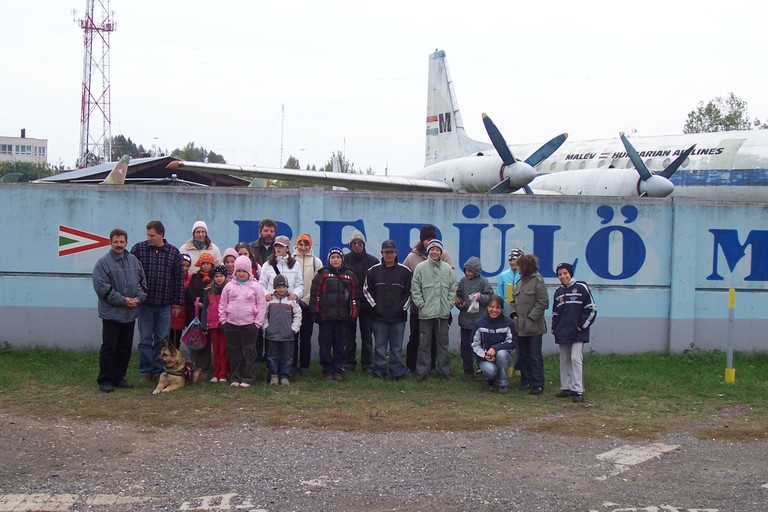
721	166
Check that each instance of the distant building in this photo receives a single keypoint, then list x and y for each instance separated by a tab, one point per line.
23	149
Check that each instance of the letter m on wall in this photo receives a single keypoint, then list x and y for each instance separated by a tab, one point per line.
728	241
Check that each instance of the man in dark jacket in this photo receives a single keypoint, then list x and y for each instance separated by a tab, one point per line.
119	282
387	289
359	261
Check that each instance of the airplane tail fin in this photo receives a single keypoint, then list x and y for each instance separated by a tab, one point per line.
118	174
446	137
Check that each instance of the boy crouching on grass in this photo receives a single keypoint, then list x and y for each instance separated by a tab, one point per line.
281	325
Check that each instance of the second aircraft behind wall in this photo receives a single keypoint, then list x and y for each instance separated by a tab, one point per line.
721	166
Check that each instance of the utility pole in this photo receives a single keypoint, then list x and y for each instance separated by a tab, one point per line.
95	106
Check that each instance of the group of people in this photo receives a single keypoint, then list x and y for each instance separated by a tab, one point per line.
259	301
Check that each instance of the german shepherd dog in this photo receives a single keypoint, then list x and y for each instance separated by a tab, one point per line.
177	372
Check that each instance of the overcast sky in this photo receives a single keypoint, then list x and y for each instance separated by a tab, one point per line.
353	75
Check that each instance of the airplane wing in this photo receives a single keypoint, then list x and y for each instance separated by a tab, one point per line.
351	181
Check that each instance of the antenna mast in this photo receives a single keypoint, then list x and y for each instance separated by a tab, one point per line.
95	106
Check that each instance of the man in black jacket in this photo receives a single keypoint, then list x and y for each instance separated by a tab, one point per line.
387	289
359	261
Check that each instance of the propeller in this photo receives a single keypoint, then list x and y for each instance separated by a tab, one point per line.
516	173
653	185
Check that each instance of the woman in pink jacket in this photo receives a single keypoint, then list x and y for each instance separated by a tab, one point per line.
241	312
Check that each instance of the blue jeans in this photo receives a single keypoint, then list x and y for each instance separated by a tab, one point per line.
280	358
388	335
497	370
154	327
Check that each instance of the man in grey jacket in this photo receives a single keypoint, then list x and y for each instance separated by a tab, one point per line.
120	284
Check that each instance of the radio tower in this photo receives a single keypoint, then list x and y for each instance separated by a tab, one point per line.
95	108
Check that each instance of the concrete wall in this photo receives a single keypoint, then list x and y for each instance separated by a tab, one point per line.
660	269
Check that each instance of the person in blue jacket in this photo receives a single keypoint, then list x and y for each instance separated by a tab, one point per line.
573	313
493	341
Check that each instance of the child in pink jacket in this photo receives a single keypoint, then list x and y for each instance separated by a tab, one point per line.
241	312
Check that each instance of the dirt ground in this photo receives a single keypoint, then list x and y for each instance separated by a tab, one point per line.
72	465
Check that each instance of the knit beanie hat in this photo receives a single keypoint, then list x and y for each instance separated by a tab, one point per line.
305	237
515	253
335	250
243	263
435	243
219	269
566	266
229	252
186	257
200	224
357	235
427	232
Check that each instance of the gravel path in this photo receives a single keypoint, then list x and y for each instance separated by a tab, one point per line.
70	465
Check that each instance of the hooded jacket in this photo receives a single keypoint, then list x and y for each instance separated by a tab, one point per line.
309	264
478	284
242	303
283	318
433	288
498	333
333	296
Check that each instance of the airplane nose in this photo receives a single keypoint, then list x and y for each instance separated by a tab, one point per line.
520	174
656	186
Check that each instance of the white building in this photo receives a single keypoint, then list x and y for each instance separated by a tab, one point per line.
23	149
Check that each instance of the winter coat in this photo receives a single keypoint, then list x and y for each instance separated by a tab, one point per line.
293	275
310	264
115	279
283	318
498	333
209	315
359	265
388	291
242	304
194	253
573	312
527	310
433	288
334	295
478	284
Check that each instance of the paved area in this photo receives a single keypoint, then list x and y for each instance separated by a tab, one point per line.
102	466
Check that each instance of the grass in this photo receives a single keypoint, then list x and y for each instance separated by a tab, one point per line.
634	397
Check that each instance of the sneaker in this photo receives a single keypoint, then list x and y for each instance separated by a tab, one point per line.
223	381
503	390
273	381
124	384
577	398
338	376
565	393
285	382
421	377
244	385
234	385
214	380
536	390
524	387
106	387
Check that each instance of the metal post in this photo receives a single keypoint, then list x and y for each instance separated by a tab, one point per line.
730	371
